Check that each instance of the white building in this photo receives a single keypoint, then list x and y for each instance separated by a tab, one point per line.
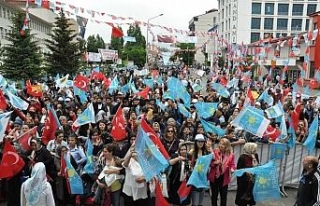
250	20
203	23
39	27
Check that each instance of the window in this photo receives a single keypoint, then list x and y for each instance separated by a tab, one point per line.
297	10
269	9
282	24
283	9
4	13
268	23
296	24
255	37
307	25
0	11
256	8
255	23
311	8
279	35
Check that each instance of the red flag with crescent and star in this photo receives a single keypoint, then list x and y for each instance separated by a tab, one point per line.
144	93
24	139
81	82
154	138
3	102
11	163
118	131
50	128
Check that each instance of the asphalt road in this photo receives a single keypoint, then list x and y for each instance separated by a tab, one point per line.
284	201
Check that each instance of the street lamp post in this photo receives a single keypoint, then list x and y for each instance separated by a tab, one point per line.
147	39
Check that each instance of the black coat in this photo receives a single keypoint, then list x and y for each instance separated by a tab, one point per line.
43	155
309	189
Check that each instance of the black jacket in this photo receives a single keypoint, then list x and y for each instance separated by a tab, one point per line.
308	192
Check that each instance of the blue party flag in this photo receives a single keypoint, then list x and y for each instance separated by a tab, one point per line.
151	160
275	111
149	83
3	82
161	105
206	109
81	94
16	101
75	182
283	127
113	85
4	120
266	186
198	176
277	150
252	122
292	137
129	39
223	91
183	110
266	97
210	127
196	87
89	167
177	90
316	76
86	117
306	90
310	142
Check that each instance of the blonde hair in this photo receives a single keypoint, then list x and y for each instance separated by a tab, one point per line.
249	148
228	147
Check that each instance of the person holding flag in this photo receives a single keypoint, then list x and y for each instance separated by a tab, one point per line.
180	172
245	183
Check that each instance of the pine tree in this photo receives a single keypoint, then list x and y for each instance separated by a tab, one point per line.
66	51
21	56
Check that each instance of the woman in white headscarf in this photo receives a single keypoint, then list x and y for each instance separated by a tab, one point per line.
36	191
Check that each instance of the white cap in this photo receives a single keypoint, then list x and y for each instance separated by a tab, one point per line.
199	137
67	100
60	99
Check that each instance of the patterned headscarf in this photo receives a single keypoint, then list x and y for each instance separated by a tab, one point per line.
36	184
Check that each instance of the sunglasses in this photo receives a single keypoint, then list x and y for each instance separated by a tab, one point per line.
170	131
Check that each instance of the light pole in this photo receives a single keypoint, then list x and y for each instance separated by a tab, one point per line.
147	39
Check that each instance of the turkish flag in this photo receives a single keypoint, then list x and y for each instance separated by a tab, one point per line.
81	82
154	138
106	82
144	93
116	32
184	190
160	200
64	172
3	102
272	133
24	139
11	163
97	75
118	131
34	90
250	96
50	127
313	84
317	47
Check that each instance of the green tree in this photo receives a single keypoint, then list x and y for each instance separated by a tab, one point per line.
94	43
187	53
21	56
66	51
135	51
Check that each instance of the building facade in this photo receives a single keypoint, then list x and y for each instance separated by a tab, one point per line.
247	21
39	27
203	23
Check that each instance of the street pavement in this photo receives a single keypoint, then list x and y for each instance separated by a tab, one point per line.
284	201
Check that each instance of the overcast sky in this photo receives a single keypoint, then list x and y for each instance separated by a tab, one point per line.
176	13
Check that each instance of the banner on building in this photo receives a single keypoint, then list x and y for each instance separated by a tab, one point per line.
94	57
108	54
187	39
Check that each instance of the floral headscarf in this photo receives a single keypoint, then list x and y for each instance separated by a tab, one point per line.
36	184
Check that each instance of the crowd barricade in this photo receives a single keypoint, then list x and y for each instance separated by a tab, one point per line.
289	168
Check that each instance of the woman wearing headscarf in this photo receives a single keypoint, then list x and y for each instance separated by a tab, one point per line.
36	191
220	172
248	159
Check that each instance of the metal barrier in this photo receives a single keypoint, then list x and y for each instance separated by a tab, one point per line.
289	168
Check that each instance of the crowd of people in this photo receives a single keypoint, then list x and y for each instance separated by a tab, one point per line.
185	139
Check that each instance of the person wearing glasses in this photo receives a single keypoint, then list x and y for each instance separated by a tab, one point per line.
170	140
55	143
308	191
